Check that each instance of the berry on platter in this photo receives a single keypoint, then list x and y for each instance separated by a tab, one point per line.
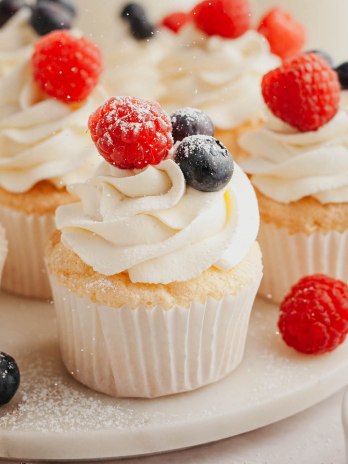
9	378
285	35
9	8
190	121
66	67
47	17
175	21
342	72
314	315
67	4
226	18
131	133
140	26
205	162
304	92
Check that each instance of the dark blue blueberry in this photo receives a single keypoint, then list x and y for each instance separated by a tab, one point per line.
190	121
140	26
69	5
342	72
9	378
47	17
8	8
324	55
205	162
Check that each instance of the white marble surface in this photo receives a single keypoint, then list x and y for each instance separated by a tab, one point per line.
314	436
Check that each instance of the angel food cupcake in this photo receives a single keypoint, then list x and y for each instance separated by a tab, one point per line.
216	66
155	269
44	145
299	166
21	26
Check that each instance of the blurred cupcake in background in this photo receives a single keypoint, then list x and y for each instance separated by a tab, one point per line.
44	145
218	62
298	163
22	23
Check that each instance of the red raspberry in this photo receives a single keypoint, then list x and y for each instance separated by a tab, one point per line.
226	18
314	315
175	21
285	35
131	132
66	67
304	92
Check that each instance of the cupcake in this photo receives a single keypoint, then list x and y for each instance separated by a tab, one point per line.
299	166
3	249
44	145
132	66
217	65
21	26
155	269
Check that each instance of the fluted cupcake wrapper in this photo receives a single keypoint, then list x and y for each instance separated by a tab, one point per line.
24	272
289	257
3	249
152	352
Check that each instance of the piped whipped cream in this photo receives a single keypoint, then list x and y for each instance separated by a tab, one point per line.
16	40
287	165
217	75
152	225
42	138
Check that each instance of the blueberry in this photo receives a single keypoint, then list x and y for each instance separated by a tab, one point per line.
323	55
205	162
342	72
9	378
69	5
140	26
47	17
190	121
8	8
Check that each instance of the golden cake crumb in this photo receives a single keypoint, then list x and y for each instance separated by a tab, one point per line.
117	290
306	215
43	198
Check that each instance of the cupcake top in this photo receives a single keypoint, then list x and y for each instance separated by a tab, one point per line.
43	133
218	60
303	148
160	213
22	25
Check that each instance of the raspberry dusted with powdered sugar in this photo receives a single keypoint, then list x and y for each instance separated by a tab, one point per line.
66	67
314	315
131	132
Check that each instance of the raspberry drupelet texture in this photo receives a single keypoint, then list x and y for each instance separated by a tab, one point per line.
131	132
285	35
314	315
66	67
304	92
226	18
175	21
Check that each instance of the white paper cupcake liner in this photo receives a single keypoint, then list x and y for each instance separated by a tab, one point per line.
3	249
287	258
151	352
24	272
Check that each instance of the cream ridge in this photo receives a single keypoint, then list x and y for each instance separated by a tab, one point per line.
152	225
42	138
287	165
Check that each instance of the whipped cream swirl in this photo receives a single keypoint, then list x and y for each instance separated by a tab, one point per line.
16	40
151	224
42	138
287	165
217	75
